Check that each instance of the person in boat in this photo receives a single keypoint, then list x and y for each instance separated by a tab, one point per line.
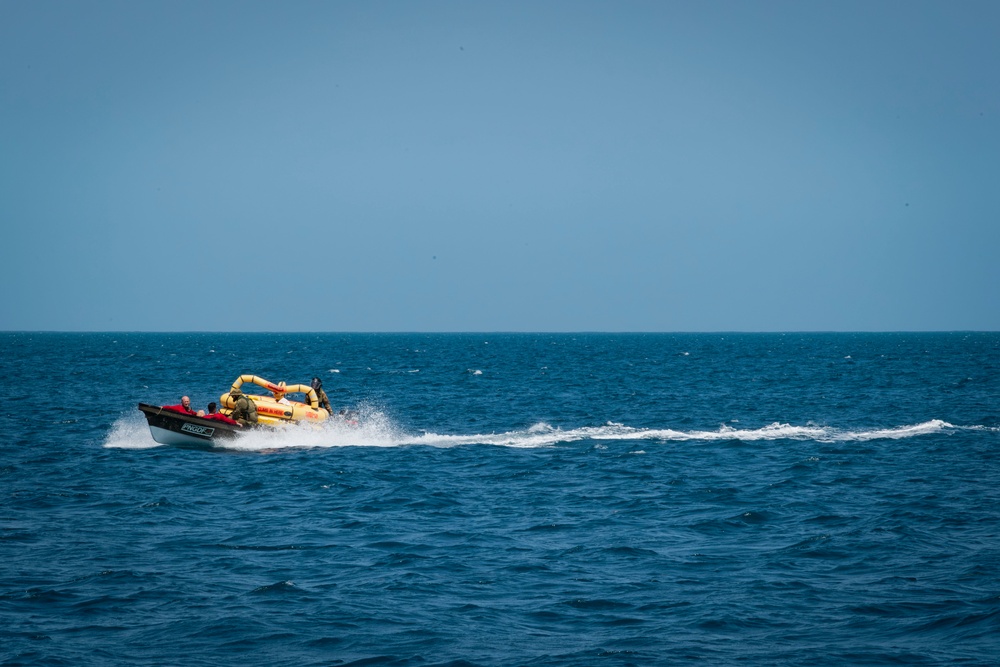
324	402
279	397
244	411
184	408
213	413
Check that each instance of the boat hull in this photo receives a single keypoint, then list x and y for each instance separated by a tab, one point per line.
173	428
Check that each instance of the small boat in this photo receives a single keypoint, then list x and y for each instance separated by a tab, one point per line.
170	426
174	428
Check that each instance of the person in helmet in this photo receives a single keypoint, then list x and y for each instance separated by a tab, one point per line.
324	402
244	410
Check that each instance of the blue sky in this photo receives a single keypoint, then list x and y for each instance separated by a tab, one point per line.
471	166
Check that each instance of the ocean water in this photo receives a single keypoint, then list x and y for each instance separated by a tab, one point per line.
508	499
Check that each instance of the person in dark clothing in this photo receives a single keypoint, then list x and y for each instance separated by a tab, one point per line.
324	402
244	410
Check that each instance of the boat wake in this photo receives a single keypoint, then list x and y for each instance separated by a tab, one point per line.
543	435
375	429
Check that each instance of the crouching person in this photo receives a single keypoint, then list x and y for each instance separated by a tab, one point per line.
244	410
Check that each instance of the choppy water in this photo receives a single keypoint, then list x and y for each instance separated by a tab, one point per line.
719	499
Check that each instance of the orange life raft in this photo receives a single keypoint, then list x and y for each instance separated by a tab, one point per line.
272	411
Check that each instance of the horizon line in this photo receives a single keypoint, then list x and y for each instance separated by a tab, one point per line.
498	331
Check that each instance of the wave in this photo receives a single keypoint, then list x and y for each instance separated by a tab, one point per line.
375	429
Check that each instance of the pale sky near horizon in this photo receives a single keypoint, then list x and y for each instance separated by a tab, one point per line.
507	166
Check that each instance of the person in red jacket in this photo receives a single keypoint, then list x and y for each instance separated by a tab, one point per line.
184	408
218	416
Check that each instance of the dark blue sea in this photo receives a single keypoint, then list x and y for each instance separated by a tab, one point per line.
507	499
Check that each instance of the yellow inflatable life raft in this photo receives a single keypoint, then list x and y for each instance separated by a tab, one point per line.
271	409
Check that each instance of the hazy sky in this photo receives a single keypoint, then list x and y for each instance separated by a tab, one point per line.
506	166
